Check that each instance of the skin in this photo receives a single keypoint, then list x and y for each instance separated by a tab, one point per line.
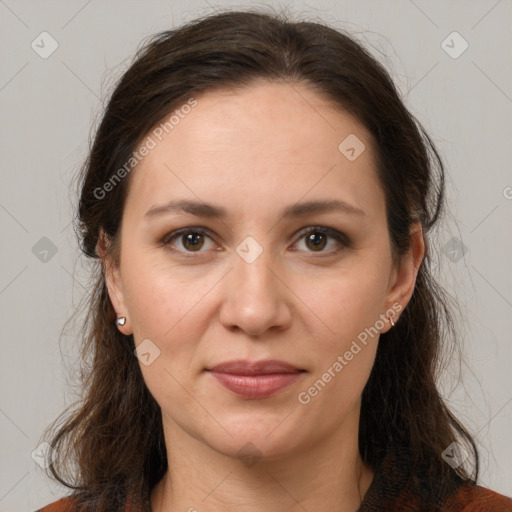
255	151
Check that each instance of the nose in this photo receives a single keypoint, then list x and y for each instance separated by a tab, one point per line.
256	297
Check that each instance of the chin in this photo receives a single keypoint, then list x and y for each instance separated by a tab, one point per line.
256	436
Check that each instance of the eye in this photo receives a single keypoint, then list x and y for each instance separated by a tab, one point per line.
190	239
316	239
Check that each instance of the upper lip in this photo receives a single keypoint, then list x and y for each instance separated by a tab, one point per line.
244	367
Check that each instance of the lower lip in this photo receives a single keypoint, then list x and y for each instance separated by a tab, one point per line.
256	386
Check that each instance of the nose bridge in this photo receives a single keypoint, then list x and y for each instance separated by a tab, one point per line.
254	298
251	267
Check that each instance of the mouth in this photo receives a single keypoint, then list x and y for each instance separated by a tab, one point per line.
244	367
258	379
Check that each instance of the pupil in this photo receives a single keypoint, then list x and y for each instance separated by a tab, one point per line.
193	239
317	243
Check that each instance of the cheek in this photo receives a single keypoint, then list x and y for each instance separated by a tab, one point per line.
166	307
349	301
334	393
349	309
165	303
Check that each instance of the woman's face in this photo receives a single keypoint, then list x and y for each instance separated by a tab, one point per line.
281	274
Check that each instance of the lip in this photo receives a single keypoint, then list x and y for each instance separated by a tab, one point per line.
258	379
244	367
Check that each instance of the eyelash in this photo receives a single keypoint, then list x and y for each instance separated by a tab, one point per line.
341	238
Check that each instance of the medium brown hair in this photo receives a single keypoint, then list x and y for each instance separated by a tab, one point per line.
111	443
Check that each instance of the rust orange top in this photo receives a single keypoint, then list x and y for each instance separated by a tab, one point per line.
468	498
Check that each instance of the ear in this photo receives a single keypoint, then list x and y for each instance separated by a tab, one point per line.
403	278
114	282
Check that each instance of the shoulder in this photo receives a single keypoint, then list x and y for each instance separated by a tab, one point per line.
69	504
63	505
473	498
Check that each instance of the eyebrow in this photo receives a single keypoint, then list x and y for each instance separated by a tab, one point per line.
202	209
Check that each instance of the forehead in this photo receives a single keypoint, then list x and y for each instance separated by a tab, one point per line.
265	141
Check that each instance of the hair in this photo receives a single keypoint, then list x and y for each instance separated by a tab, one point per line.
110	444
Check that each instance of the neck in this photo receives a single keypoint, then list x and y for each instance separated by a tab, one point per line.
328	475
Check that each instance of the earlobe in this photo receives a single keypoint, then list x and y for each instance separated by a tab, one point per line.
113	282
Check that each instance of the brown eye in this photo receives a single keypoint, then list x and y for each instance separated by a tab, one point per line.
316	241
188	241
192	241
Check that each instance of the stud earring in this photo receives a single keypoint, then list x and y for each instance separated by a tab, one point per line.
121	320
392	323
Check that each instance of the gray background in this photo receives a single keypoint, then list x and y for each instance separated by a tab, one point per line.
49	105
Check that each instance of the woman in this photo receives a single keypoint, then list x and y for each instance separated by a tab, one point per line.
264	331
